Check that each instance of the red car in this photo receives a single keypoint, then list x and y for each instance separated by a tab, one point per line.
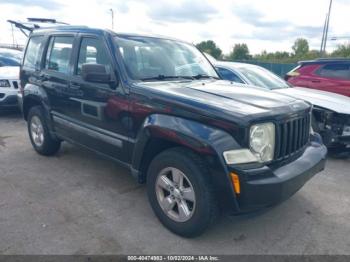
332	75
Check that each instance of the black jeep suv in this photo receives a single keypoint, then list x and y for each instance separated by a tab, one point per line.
156	106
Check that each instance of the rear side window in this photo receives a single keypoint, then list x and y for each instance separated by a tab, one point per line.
92	51
341	71
32	59
229	75
59	53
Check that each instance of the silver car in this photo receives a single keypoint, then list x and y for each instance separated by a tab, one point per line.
9	77
331	113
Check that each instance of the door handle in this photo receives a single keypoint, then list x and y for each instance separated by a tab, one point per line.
44	77
74	86
315	81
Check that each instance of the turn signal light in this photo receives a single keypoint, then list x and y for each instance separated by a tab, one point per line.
235	182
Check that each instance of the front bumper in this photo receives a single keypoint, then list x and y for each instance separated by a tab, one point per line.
9	101
268	186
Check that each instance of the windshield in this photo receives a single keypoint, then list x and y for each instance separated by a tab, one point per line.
10	57
263	78
148	58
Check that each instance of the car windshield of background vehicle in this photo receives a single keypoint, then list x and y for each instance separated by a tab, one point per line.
263	78
148	59
10	57
6	61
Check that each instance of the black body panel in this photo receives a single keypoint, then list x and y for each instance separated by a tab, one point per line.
121	118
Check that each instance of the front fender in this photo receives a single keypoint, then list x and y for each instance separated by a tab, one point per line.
201	138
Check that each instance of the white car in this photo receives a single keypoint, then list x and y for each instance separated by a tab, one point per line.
331	113
9	77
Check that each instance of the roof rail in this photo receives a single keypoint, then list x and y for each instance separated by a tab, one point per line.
325	60
332	58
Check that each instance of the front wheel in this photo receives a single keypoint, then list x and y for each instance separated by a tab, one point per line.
180	192
39	134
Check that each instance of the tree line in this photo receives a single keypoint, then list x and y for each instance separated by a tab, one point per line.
301	51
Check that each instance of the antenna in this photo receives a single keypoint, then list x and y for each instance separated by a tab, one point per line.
112	14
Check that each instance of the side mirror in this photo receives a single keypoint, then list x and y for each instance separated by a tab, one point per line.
95	73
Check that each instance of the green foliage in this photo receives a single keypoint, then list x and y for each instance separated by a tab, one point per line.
211	48
342	51
300	47
301	51
240	52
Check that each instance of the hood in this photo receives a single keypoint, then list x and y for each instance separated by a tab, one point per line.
228	98
9	72
334	102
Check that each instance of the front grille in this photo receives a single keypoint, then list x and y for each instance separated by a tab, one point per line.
292	136
15	84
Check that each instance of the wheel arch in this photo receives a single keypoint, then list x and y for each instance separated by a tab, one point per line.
160	132
36	96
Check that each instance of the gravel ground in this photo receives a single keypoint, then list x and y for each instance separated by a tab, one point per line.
79	203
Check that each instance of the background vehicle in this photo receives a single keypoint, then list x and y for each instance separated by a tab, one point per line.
9	77
157	106
331	112
332	75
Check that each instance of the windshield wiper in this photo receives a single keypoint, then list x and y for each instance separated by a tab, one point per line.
201	76
164	77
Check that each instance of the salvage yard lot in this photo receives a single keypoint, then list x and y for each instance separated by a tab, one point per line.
79	203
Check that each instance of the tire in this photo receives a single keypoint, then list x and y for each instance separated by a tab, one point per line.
39	134
203	210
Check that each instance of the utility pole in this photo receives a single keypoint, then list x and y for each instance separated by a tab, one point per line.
325	29
112	15
13	35
323	34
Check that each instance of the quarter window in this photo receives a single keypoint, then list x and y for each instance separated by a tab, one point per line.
59	54
32	58
92	51
229	75
341	71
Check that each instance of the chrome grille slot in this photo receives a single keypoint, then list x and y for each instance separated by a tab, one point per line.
292	136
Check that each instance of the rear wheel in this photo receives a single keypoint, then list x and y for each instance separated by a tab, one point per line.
39	134
180	192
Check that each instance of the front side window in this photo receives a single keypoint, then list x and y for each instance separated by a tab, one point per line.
229	75
32	57
92	51
148	57
340	71
58	56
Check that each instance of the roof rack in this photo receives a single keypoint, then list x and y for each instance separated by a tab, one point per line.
27	27
45	20
325	60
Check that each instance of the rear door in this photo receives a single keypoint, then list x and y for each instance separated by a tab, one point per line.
96	113
57	71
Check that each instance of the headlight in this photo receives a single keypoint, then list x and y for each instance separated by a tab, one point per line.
262	141
346	131
262	146
4	83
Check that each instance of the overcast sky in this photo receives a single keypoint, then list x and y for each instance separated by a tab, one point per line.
270	25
